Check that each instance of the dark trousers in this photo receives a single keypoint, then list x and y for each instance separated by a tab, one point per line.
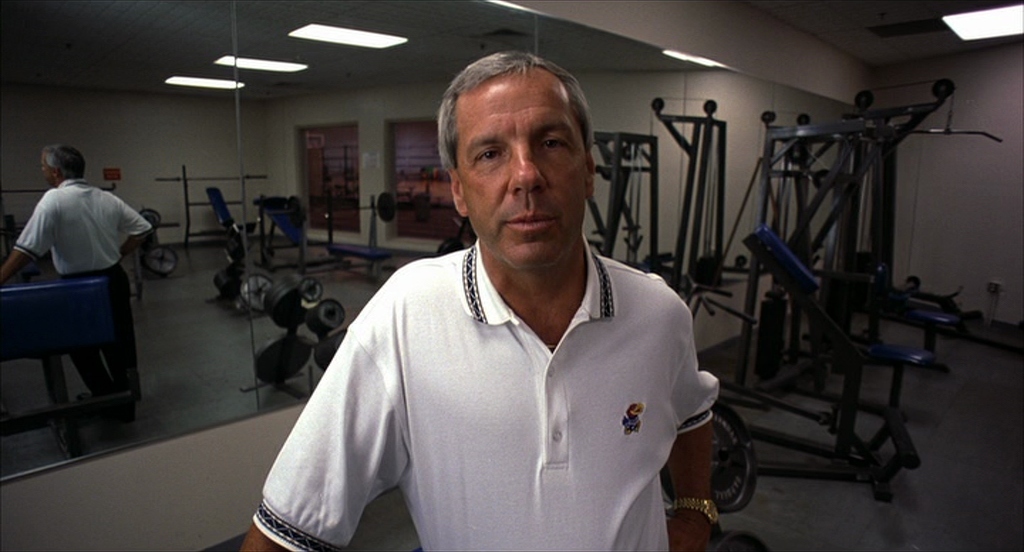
105	369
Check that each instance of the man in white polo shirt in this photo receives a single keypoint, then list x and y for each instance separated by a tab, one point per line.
523	394
81	225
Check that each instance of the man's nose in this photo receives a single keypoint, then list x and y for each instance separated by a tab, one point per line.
526	175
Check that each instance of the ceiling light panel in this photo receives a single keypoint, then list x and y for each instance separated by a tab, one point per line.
204	83
349	37
262	64
1006	21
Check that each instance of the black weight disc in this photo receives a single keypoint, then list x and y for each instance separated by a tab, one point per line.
253	290
227	284
282	358
734	465
160	260
311	289
738	541
283	302
324	351
327	315
386	207
151	216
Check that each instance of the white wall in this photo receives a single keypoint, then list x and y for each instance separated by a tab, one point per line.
732	33
961	197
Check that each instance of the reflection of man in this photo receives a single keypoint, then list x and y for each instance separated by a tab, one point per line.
500	387
81	226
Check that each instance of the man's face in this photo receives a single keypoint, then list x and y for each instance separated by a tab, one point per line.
523	173
50	175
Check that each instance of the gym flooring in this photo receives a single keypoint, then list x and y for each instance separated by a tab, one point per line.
967	425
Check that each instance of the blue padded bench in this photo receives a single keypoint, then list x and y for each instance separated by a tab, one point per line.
44	320
275	209
373	256
930	320
880	353
54	317
849	360
361	251
220	207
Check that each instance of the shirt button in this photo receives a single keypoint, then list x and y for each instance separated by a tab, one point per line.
557	436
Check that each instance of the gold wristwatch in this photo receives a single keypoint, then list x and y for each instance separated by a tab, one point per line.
705	506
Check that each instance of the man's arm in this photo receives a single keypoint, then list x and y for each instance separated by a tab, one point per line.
132	243
13	265
690	466
256	541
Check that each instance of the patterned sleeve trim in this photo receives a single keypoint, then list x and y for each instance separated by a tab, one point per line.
280	529
694	421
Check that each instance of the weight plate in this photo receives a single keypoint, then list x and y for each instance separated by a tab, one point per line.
151	216
282	358
327	315
386	207
324	351
734	465
227	284
254	290
284	303
160	260
311	289
738	541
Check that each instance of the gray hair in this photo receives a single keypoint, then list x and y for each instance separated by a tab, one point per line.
66	159
495	65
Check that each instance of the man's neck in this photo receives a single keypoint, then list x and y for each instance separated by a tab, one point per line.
546	299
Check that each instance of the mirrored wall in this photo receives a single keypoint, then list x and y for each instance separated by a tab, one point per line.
205	347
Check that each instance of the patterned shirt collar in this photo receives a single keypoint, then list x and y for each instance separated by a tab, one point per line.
485	305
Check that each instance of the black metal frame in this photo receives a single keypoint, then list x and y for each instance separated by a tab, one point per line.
853	458
706	135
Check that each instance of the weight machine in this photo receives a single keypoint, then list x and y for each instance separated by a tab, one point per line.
699	241
818	213
627	159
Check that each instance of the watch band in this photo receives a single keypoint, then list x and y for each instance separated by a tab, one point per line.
705	506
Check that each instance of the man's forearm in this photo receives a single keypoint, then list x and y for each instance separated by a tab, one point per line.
13	265
690	462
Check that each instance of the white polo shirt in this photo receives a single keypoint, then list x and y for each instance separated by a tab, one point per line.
83	225
496	442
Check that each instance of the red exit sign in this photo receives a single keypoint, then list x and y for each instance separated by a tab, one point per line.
111	173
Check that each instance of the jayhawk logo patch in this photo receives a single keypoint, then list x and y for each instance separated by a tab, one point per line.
631	422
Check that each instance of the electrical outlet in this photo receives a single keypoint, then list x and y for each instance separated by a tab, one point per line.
994	286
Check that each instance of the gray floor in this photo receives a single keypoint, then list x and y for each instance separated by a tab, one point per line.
196	357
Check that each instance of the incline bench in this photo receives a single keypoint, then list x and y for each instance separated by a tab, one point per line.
44	320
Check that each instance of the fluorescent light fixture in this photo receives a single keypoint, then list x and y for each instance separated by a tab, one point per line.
351	37
204	83
510	5
692	59
262	64
987	23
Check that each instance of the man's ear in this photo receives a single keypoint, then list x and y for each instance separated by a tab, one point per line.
457	197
